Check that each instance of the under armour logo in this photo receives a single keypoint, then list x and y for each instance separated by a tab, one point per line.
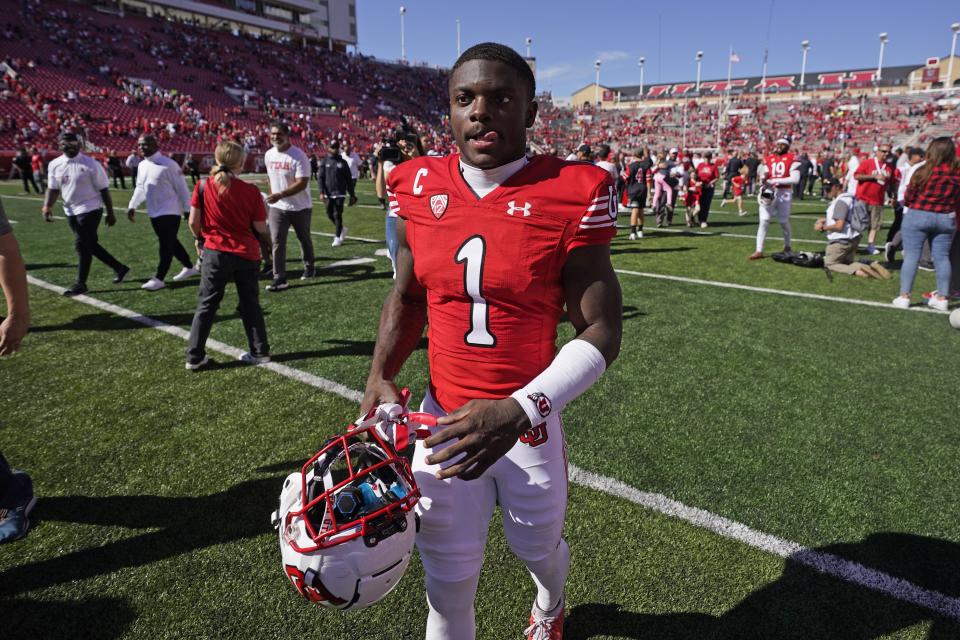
512	206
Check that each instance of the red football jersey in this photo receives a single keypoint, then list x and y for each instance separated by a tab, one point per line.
492	267
779	166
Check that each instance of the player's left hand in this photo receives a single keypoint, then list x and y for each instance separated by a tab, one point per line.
272	198
486	430
111	219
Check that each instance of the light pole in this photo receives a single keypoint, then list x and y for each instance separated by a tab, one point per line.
458	37
699	60
643	62
528	41
955	27
883	43
596	65
803	65
403	44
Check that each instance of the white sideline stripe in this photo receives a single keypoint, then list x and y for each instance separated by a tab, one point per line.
780	292
347	263
212	345
357	238
823	562
722	234
827	563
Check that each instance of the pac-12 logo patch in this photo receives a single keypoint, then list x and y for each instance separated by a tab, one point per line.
544	406
438	204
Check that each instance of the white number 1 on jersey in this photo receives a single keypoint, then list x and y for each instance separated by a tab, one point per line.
472	253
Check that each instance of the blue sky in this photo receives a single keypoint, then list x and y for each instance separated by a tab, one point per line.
568	35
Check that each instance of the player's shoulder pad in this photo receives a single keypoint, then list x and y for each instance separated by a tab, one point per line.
403	175
577	176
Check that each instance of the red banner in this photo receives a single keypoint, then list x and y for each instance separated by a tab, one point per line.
931	74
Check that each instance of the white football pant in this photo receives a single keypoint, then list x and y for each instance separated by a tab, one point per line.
779	208
530	485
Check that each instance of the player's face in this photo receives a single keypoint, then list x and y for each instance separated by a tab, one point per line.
279	139
70	148
490	111
147	146
781	149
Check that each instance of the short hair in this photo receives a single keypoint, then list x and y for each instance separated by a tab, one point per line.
603	151
495	52
282	126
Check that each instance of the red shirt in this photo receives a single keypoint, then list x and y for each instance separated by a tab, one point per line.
871	192
779	166
737	185
228	217
941	193
707	172
492	267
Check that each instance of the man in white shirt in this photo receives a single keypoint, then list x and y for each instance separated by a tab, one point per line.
289	203
842	238
161	184
132	162
353	161
603	161
85	187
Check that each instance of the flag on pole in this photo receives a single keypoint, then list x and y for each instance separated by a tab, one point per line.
734	56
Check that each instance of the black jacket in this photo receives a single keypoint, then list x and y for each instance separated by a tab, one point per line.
334	176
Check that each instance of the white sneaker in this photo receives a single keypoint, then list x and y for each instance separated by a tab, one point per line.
936	303
153	284
703	225
343	234
639	235
249	358
186	272
901	303
633	236
337	241
194	366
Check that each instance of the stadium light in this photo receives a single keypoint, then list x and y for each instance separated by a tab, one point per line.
596	65
403	44
883	43
528	41
643	61
458	37
803	65
699	60
955	27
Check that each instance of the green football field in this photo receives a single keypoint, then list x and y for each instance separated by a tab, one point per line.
774	454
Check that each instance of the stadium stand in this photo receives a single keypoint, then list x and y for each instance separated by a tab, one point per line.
70	66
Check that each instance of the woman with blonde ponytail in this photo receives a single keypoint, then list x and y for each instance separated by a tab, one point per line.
228	220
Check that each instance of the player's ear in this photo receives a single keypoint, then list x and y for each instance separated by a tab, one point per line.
531	113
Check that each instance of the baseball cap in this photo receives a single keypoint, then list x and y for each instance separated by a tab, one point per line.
69	136
584	148
783	141
335	144
674	150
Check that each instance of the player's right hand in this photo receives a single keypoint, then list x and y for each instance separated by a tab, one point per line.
378	392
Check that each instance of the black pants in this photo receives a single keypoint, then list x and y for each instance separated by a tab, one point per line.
166	228
352	189
118	177
27	177
706	198
897	221
87	244
727	187
219	269
335	212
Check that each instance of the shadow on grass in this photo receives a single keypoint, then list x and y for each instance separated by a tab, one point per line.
33	266
184	524
804	603
110	322
101	618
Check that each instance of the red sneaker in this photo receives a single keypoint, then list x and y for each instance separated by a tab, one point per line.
756	255
544	627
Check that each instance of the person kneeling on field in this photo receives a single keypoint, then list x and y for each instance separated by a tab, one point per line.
842	238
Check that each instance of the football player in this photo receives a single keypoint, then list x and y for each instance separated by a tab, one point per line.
782	172
493	247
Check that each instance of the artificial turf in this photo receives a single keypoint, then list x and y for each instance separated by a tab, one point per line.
829	424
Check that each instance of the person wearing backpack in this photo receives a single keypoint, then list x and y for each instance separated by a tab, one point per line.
228	220
845	222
